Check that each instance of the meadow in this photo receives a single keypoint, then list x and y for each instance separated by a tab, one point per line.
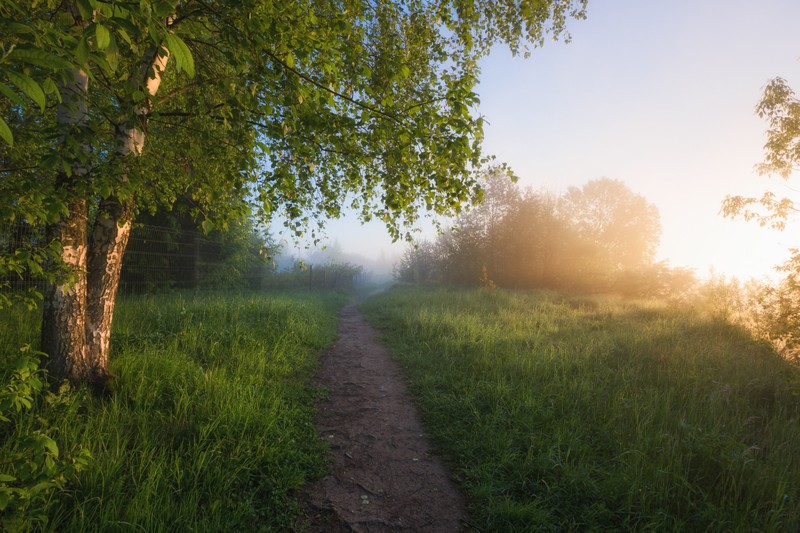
209	427
561	413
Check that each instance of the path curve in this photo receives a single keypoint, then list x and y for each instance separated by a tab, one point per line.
383	475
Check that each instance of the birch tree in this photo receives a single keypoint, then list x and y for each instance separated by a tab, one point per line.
113	107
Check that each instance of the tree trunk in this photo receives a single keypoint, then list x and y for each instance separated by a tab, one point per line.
63	323
76	328
108	241
64	319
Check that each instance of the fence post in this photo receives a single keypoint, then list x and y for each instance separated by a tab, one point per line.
196	263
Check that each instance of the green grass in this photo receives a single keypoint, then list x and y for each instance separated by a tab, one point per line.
560	414
210	426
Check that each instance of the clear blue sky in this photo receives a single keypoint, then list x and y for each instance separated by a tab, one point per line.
660	95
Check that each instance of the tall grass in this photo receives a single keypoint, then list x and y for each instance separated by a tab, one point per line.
210	425
564	414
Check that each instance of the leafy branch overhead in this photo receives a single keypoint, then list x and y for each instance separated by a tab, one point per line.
304	103
781	109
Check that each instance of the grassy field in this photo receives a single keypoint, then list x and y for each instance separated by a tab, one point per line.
210	426
561	413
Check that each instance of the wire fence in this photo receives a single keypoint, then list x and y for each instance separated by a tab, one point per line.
161	258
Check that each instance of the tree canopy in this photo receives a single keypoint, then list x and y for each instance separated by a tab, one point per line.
110	108
608	214
301	104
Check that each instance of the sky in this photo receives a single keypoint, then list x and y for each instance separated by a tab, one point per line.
660	95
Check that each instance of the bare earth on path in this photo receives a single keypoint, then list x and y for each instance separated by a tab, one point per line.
383	476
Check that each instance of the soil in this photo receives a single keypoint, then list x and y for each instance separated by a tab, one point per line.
383	475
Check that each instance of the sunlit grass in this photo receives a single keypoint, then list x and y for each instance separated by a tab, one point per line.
560	413
210	425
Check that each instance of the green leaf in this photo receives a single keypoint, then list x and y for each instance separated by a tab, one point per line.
112	54
18	28
124	34
163	9
5	132
5	478
40	58
85	9
51	445
42	486
101	62
28	86
11	95
49	86
183	56
102	36
124	26
207	226
82	52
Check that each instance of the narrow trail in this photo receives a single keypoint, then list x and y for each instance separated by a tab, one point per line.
383	475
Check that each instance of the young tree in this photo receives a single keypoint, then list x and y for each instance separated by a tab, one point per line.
473	244
420	263
538	247
299	105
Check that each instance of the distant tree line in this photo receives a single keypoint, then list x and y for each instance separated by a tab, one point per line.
598	238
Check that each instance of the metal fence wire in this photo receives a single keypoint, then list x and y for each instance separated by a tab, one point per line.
14	238
162	257
159	258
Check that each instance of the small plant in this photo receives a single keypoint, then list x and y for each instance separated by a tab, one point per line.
485	281
31	468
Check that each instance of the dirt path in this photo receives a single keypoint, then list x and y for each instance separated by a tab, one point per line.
383	476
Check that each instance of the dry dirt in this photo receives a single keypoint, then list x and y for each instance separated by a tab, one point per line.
383	476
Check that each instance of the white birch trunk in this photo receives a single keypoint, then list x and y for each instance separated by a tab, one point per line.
63	336
109	237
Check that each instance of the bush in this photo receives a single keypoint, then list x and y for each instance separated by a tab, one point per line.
31	467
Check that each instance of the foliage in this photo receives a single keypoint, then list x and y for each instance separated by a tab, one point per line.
328	275
300	107
781	109
210	426
576	413
623	225
419	263
32	468
23	256
775	310
769	310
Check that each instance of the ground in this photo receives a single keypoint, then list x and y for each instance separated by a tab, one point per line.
383	475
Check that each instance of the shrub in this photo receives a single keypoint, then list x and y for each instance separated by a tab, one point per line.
31	467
